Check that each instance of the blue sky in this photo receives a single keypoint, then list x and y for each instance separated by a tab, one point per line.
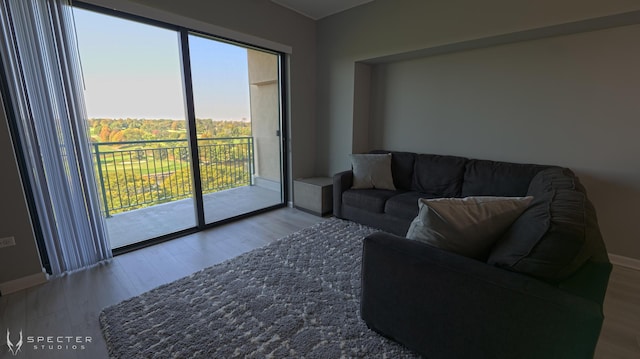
134	70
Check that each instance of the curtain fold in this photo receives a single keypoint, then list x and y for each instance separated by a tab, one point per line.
43	79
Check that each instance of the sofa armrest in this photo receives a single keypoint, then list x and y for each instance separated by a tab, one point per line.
441	304
342	181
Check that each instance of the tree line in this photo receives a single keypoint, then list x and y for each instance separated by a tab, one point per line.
131	129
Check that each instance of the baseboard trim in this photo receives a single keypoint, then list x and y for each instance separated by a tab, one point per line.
624	261
19	284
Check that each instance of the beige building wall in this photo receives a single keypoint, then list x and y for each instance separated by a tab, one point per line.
265	117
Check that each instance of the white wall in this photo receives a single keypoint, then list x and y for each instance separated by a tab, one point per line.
568	100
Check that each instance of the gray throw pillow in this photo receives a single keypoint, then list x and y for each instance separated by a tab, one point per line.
468	226
372	171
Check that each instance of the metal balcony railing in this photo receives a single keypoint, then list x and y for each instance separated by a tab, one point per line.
137	174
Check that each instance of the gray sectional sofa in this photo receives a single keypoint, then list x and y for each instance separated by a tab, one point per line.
539	292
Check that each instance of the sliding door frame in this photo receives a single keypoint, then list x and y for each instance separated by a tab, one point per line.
196	179
183	34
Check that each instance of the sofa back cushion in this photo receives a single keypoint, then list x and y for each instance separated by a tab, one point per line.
402	164
439	176
492	178
549	240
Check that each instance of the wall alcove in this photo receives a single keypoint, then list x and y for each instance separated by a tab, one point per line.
564	95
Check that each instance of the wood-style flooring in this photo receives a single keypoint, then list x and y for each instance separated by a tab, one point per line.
620	335
69	305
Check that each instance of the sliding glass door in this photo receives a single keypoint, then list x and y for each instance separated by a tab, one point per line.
133	91
236	105
185	128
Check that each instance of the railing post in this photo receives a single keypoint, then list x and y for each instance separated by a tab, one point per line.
251	162
96	147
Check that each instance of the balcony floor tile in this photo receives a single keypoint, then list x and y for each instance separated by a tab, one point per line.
150	222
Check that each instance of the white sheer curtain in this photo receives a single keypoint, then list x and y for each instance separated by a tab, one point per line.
43	80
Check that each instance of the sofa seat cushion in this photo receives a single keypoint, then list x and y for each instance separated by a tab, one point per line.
438	176
404	205
549	240
370	199
491	178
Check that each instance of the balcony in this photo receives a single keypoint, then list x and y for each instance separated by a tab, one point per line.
146	186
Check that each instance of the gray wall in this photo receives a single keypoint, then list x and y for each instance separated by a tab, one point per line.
387	27
21	260
567	100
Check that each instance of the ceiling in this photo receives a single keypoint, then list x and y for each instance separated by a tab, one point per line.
317	9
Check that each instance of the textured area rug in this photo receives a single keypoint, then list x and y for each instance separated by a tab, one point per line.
296	297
